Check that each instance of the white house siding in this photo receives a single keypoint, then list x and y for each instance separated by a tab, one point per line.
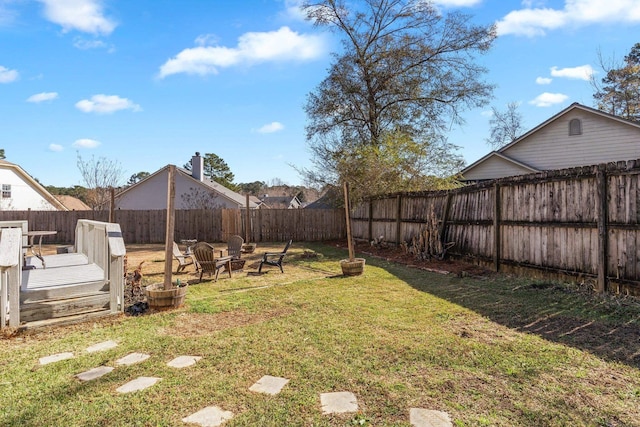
494	167
23	195
602	140
151	194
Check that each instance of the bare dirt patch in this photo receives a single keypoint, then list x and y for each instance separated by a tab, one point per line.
393	253
194	324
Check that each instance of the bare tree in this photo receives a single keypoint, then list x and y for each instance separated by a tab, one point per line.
505	126
405	71
100	176
197	198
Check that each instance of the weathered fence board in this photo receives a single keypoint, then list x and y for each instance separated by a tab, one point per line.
582	222
201	224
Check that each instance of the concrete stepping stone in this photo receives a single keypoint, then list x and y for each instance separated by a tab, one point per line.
269	385
94	373
132	359
183	361
419	417
138	384
338	402
55	358
211	416
106	345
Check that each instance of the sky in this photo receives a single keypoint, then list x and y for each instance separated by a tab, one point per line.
147	83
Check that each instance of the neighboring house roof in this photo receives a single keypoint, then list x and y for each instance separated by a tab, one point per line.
35	185
205	184
331	199
73	203
281	202
549	145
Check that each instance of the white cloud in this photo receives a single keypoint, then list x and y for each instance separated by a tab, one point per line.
84	44
537	21
55	147
7	15
457	3
7	75
281	45
80	15
548	99
582	72
543	80
43	96
106	104
86	143
271	127
293	10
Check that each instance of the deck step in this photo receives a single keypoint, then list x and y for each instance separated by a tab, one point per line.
63	292
69	320
58	308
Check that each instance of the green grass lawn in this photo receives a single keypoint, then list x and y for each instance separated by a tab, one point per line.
493	351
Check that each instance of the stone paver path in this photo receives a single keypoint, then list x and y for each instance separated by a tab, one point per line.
419	417
106	345
338	402
55	358
94	373
211	416
269	385
132	358
183	361
138	384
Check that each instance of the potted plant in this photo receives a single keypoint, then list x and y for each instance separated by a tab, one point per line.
352	266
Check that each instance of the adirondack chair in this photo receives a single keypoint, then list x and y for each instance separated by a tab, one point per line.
234	250
234	246
209	263
274	258
183	260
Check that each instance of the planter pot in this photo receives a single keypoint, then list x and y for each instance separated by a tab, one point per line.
352	268
248	248
161	299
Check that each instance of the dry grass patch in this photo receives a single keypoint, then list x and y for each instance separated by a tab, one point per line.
196	324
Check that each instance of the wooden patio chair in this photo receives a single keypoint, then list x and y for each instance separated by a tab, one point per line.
234	250
206	257
234	246
183	259
274	258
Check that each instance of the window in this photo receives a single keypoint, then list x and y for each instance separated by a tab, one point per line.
6	191
575	127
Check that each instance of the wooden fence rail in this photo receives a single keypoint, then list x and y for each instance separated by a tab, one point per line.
580	222
267	225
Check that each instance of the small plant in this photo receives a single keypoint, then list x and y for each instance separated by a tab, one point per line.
360	420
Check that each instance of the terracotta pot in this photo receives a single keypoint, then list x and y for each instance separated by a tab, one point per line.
161	299
352	268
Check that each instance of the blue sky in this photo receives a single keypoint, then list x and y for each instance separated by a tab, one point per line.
150	82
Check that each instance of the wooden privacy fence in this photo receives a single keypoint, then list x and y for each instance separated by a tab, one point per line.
580	222
211	225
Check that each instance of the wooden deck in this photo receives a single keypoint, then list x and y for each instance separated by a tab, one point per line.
72	286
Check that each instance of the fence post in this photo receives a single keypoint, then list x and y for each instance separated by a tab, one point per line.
601	200
398	219
496	227
370	219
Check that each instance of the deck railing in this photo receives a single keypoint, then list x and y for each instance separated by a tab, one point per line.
103	245
10	272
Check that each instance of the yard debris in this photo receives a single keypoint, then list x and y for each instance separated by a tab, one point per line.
137	309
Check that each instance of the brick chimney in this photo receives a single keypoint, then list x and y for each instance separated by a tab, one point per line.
197	167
